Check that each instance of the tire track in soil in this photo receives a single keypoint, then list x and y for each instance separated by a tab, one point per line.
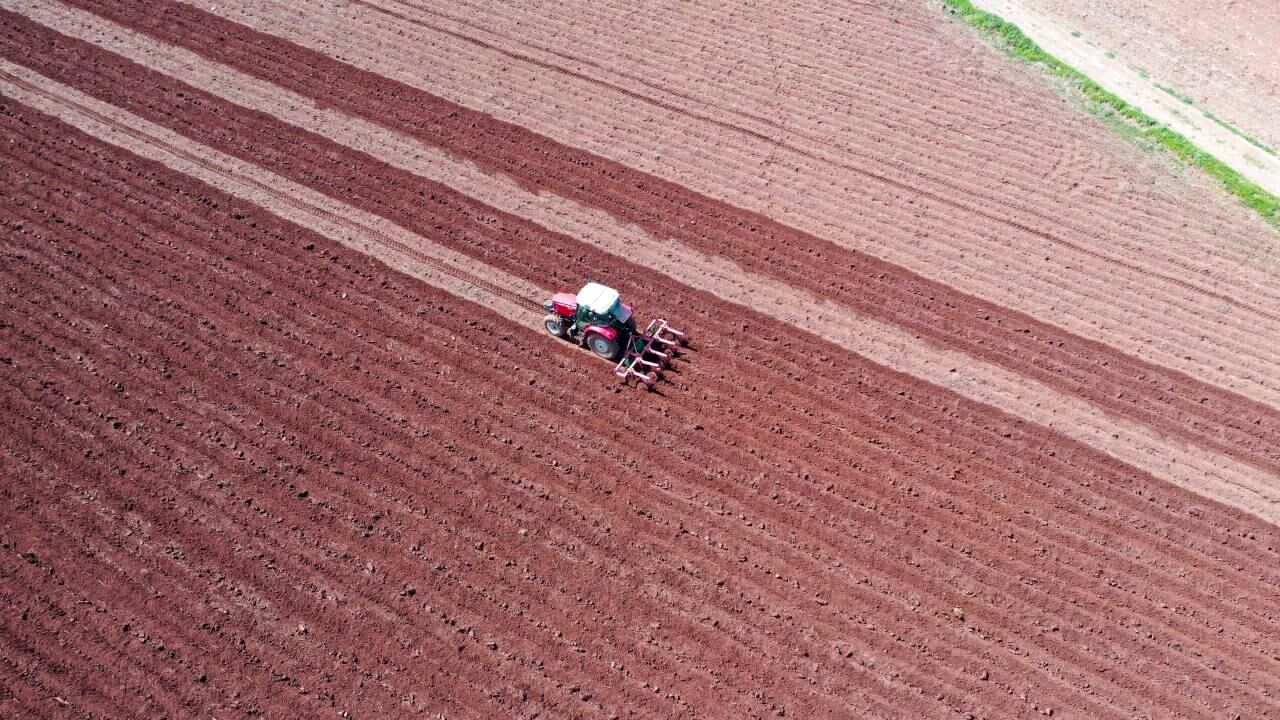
393	186
1049	355
666	55
113	32
521	300
903	178
935	156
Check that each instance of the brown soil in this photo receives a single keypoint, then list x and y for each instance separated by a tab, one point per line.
260	472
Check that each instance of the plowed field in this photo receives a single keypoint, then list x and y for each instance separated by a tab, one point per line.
981	416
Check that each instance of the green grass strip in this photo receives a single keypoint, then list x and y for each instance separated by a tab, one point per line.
1180	96
1014	42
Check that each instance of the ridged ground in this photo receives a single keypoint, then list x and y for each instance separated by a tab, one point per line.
964	431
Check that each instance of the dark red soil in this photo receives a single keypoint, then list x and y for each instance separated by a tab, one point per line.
256	477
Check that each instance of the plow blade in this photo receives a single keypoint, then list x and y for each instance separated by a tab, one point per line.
648	353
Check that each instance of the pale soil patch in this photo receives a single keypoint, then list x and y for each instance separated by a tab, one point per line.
1113	74
1226	56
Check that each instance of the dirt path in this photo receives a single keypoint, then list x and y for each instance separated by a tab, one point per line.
1225	58
1113	74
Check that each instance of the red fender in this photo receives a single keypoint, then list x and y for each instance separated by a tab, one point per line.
608	332
566	304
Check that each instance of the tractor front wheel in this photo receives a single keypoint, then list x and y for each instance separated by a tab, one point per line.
556	326
603	346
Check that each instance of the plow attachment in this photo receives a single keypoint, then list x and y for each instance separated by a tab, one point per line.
648	353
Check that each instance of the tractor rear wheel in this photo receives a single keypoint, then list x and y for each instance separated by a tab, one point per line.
603	346
556	326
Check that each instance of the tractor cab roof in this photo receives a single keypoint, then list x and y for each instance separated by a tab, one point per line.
598	298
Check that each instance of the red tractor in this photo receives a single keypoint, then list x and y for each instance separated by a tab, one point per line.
597	319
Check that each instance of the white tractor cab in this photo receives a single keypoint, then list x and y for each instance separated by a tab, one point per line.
598	319
602	300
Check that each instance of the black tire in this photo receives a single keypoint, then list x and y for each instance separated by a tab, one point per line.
556	326
603	346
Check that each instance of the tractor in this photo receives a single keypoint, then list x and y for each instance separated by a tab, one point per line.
597	319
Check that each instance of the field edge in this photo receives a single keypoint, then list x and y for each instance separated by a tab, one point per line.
1126	119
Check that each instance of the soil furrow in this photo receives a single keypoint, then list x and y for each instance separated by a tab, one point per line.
242	564
366	515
